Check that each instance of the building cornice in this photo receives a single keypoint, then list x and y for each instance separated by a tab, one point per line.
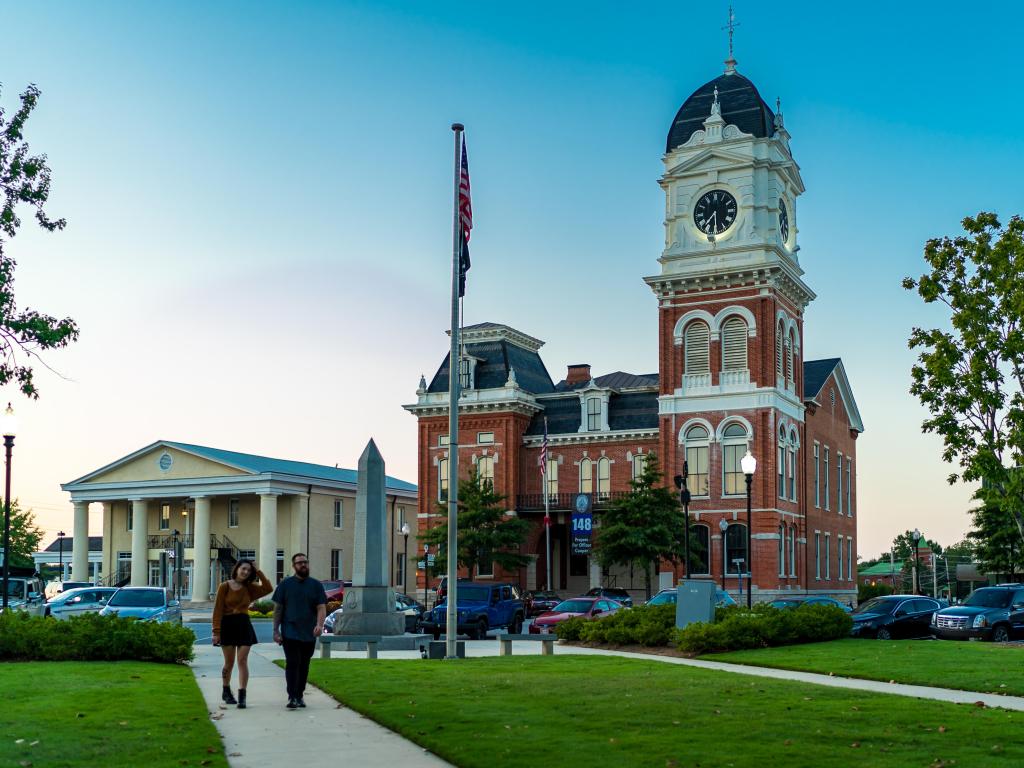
506	399
780	276
578	438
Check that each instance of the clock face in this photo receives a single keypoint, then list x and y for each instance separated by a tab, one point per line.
715	212
783	221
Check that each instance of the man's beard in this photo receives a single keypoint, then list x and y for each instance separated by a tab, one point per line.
303	572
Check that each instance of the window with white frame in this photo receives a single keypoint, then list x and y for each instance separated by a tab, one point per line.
466	367
734	344
782	462
849	472
839	555
129	516
442	480
849	558
442	441
839	483
792	465
700	550
792	550
233	507
604	477
638	466
339	514
782	550
335	564
484	438
697	351
165	517
698	443
401	518
586	476
400	569
734	446
485	567
817	477
485	471
828	555
552	477
736	548
817	555
247	554
593	414
826	475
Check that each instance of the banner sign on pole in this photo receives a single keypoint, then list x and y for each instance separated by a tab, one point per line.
582	524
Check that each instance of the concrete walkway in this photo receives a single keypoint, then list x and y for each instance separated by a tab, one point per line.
266	735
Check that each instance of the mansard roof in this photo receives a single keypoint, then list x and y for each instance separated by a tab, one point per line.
616	380
741	105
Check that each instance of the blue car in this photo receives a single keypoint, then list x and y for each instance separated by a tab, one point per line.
145	603
669	597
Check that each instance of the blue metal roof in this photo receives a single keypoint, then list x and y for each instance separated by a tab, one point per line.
262	464
816	372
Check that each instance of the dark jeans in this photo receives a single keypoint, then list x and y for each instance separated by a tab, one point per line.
297	654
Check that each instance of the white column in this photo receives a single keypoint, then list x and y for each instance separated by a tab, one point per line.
140	543
201	550
80	543
595	572
268	534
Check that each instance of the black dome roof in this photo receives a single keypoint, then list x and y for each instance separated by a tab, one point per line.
741	104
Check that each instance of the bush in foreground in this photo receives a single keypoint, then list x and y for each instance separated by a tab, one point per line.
738	628
645	625
92	637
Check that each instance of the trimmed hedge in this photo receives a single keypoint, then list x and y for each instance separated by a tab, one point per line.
92	637
737	628
644	625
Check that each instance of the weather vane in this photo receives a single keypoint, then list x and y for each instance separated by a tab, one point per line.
731	26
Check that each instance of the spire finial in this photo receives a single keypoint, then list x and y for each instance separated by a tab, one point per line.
716	108
730	63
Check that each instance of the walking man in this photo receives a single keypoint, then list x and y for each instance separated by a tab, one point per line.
300	607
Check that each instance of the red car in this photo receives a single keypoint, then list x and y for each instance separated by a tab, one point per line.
335	590
584	607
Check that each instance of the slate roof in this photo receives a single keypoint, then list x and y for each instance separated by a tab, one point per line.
617	380
741	104
881	569
626	410
492	370
261	464
95	544
816	372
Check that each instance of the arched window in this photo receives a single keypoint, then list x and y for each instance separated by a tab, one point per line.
604	478
697	355
792	465
638	466
736	549
700	550
442	480
485	471
586	476
734	344
780	369
791	356
782	462
697	447
782	550
734	445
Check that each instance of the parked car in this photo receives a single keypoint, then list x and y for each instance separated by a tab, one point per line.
988	613
55	587
670	597
614	593
25	593
410	608
891	617
75	602
146	603
335	590
796	601
582	607
540	601
480	608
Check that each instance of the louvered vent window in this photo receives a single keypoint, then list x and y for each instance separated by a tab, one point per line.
789	361
734	345
778	352
697	355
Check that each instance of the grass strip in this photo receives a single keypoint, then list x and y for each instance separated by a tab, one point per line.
592	711
981	667
66	714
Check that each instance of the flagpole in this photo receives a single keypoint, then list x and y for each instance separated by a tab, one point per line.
451	626
547	511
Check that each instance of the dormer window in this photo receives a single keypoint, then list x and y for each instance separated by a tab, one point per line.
593	414
594	409
467	368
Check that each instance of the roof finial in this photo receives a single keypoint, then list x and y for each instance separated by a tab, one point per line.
716	108
730	63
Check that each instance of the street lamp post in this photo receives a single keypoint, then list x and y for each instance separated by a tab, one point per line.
684	499
10	428
174	567
749	465
426	572
917	545
405	558
60	555
723	526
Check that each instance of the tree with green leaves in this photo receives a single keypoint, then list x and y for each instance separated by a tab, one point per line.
24	180
970	376
997	542
643	526
903	545
487	533
25	536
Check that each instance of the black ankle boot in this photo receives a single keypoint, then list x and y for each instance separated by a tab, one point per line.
227	695
241	698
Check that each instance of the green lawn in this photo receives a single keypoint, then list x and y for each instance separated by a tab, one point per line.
67	714
594	711
984	667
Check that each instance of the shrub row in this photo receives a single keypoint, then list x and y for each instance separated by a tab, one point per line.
91	637
644	625
737	628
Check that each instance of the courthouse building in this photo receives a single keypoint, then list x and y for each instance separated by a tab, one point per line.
218	506
731	376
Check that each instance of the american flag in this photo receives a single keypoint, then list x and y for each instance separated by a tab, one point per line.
465	219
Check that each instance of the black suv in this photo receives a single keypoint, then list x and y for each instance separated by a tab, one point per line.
613	593
990	613
480	607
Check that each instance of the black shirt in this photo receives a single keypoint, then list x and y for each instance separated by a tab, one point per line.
299	599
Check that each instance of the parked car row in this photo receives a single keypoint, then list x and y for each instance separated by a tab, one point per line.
146	603
411	608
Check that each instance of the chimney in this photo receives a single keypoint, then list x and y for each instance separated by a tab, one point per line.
578	373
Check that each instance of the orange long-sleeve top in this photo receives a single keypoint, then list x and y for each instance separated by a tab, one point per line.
230	601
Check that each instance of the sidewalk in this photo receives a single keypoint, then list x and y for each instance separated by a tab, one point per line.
266	735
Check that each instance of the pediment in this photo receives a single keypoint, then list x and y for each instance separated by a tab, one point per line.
711	157
159	461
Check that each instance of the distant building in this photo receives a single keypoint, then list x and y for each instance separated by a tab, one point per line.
52	557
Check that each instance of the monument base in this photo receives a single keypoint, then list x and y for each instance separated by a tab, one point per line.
370	624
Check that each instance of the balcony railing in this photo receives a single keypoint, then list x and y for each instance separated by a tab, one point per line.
166	541
735	378
694	381
532	502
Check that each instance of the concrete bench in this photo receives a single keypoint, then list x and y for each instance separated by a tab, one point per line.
505	643
370	640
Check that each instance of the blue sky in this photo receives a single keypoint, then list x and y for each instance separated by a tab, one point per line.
259	207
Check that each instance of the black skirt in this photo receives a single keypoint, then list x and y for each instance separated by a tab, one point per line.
236	629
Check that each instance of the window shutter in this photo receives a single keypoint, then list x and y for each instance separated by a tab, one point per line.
698	336
789	361
778	352
734	345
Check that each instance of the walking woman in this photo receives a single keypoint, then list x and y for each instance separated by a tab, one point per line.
232	629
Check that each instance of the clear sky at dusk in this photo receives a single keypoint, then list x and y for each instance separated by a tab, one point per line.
259	201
